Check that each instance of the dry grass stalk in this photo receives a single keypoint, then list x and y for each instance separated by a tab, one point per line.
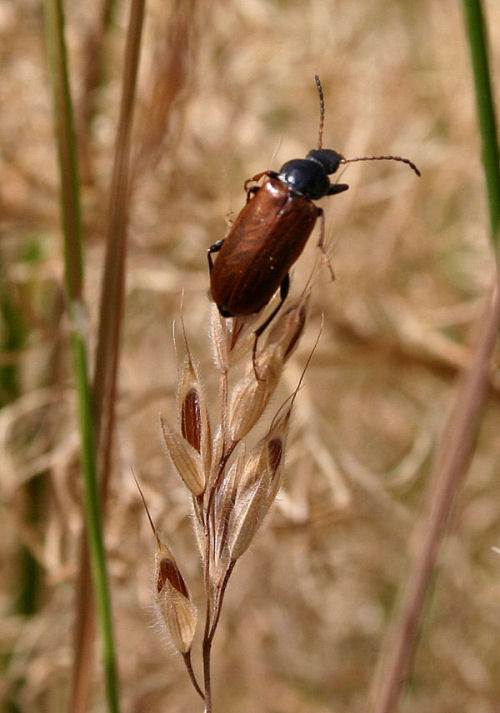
231	487
452	461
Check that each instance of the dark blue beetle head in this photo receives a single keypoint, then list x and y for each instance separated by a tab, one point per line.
308	176
330	160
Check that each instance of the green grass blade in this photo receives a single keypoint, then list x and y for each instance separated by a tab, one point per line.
93	519
72	230
109	334
476	35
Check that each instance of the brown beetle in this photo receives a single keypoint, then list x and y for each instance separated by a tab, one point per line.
271	231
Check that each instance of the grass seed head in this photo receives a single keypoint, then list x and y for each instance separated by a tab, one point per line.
185	458
224	504
246	517
190	418
275	453
198	524
219	340
287	330
169	572
171	594
192	412
179	615
166	569
256	489
274	444
252	395
250	398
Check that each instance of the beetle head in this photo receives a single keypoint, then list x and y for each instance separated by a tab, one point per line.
330	160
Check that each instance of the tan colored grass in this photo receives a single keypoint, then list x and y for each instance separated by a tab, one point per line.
304	617
230	496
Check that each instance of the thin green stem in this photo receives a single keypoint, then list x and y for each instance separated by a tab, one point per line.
93	519
477	38
66	149
72	234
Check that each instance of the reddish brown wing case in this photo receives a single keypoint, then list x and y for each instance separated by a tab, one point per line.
266	239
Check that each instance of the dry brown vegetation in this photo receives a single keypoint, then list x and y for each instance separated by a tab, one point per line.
226	90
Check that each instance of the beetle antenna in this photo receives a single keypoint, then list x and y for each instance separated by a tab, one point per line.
383	158
321	111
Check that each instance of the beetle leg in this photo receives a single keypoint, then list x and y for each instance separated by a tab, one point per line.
252	191
284	289
321	242
254	357
213	249
258	176
337	188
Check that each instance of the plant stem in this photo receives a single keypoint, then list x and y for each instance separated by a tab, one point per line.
207	650
452	460
208	637
477	38
192	676
213	608
70	204
219	599
109	333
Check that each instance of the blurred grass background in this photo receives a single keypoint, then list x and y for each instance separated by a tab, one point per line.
226	90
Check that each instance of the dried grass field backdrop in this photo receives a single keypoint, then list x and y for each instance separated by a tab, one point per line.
342	520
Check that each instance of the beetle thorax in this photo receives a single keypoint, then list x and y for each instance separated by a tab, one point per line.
305	177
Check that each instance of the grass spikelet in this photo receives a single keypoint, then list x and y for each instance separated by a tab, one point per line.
185	458
193	414
219	336
251	502
286	333
194	421
251	397
258	486
172	598
180	616
224	505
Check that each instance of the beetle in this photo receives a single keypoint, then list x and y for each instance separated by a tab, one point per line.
270	232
